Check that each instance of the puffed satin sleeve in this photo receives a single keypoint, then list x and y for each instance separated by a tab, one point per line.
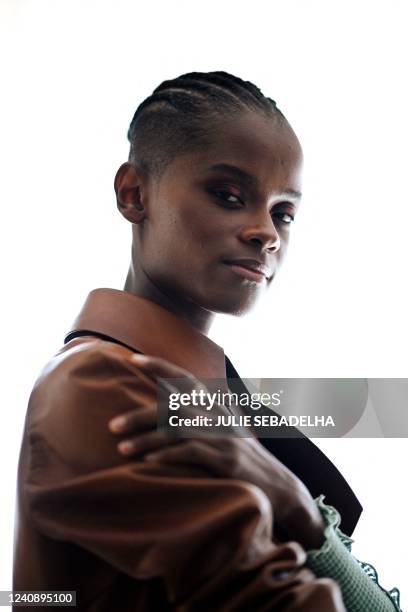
209	540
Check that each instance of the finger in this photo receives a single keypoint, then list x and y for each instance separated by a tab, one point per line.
190	452
144	418
140	419
145	443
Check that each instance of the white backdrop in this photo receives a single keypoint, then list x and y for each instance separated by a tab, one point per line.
73	74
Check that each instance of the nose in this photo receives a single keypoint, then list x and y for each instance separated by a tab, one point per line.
263	233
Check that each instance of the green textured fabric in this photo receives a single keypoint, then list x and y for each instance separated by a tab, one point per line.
357	580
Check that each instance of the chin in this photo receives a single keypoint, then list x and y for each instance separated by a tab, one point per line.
233	305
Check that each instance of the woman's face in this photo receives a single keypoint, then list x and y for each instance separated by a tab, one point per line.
232	202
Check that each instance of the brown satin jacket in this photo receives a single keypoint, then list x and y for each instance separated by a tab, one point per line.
128	535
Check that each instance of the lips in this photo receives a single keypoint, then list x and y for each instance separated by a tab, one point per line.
252	265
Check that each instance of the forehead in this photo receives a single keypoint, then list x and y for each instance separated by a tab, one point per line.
263	147
269	136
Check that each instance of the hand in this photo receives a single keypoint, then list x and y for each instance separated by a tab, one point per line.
295	512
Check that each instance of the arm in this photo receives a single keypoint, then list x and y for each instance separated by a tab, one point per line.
246	460
208	539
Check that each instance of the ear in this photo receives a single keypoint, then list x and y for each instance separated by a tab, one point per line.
129	188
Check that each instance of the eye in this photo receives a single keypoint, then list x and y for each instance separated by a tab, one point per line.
285	217
225	196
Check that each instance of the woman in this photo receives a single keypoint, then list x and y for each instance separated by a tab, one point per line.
211	188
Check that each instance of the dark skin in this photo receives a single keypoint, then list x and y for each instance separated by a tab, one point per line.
185	225
182	231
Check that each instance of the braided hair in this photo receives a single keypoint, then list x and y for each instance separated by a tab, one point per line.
183	113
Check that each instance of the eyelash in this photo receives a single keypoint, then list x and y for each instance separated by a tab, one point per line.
216	192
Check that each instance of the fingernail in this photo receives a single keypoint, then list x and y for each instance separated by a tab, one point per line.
125	447
117	424
140	358
282	575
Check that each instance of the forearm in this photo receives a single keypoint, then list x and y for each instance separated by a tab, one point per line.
209	540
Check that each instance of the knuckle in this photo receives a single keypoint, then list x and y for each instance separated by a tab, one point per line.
255	498
294	551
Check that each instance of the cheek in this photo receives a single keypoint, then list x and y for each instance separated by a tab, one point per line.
284	243
201	235
177	245
187	235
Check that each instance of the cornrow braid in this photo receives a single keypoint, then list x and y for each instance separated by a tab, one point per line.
182	114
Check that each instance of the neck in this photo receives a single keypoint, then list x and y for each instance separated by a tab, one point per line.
138	283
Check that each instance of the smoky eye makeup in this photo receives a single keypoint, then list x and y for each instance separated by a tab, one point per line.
225	192
232	195
285	212
285	218
228	195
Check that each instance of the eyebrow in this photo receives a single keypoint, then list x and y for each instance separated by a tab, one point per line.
248	178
